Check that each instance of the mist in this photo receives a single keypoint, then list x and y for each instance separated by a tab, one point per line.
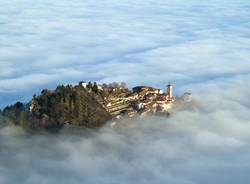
205	141
200	46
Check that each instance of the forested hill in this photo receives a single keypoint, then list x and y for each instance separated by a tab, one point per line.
66	105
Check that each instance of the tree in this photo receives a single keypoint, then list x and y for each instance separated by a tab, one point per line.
89	85
104	86
123	85
21	119
115	84
95	88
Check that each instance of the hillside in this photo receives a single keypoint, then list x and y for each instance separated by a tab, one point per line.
91	105
65	106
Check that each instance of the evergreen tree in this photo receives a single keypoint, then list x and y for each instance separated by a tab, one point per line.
95	88
21	120
123	85
89	85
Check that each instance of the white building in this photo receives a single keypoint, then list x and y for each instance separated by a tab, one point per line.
100	88
83	84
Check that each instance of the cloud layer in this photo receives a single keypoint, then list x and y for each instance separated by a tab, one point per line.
199	46
206	141
48	43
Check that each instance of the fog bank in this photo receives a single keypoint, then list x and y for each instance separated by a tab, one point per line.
200	46
206	141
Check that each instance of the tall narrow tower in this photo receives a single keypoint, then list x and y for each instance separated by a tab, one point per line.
170	91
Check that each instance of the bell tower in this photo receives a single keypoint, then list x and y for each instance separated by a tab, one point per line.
170	91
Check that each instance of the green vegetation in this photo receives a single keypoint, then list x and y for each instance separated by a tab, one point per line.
66	105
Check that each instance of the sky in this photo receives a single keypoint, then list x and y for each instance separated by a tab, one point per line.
200	46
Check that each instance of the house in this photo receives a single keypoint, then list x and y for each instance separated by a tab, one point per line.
100	87
138	89
83	84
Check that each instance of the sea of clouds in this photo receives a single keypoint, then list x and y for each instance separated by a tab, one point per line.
201	46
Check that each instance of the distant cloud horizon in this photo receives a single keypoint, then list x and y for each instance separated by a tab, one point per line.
44	44
200	46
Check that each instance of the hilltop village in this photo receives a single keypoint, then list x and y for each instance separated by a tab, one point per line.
142	100
91	105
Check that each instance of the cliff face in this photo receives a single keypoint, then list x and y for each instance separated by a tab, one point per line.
75	106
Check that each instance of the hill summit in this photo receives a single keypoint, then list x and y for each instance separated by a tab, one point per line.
90	105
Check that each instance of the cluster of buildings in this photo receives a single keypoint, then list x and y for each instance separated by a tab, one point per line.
141	101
